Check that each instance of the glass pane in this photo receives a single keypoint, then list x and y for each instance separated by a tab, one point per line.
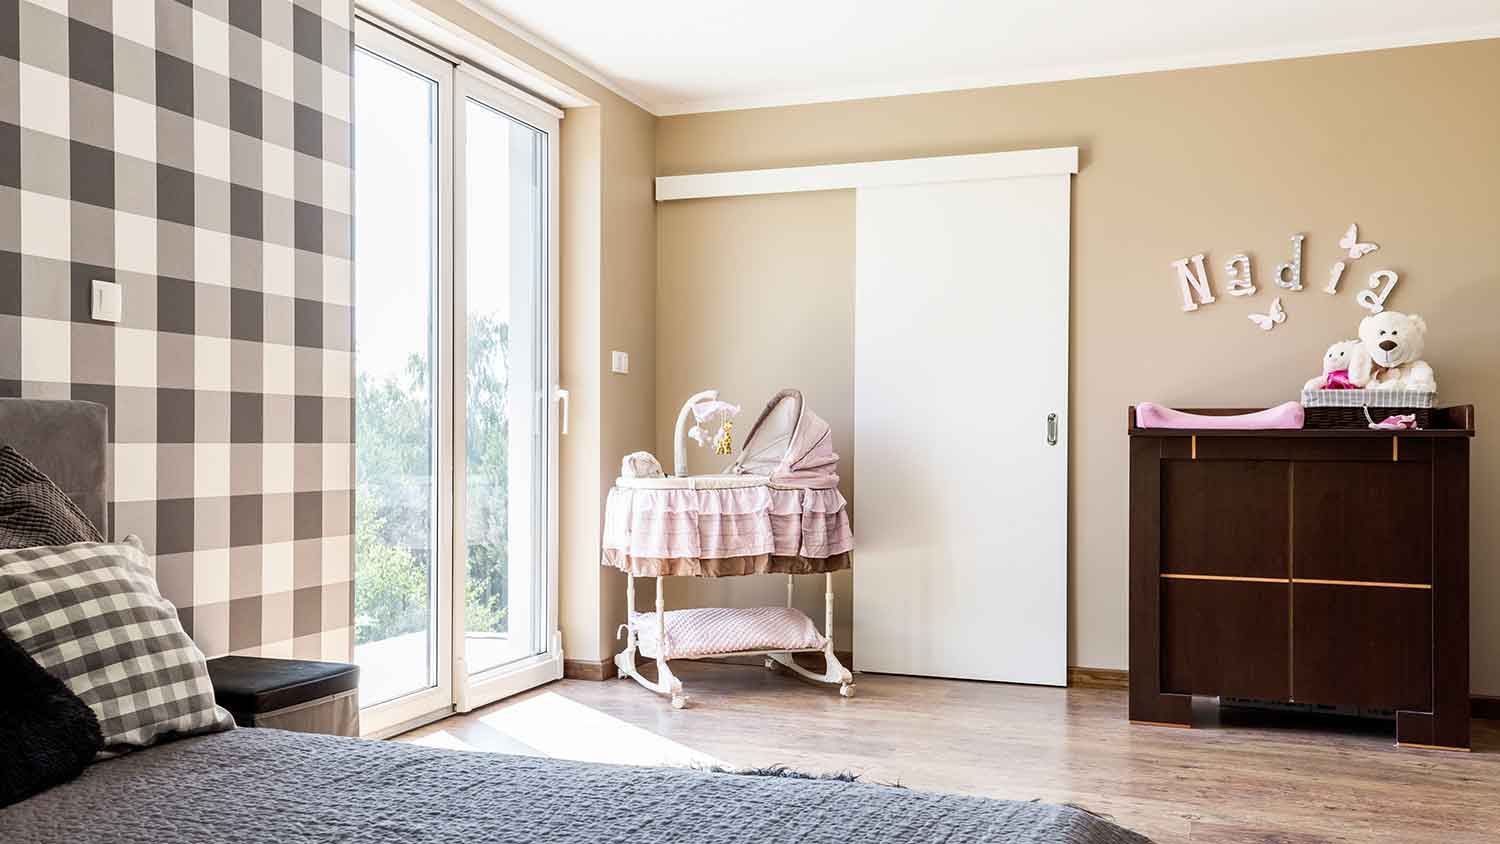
396	270
504	607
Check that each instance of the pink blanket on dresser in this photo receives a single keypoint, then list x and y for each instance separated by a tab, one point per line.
1282	416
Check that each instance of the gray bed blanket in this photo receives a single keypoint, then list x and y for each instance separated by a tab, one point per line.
273	787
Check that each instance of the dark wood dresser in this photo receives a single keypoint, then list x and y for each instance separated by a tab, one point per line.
1313	566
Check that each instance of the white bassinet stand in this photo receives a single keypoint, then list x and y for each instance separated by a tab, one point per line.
777	510
666	682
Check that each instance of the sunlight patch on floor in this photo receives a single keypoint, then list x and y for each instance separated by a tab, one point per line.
445	740
556	726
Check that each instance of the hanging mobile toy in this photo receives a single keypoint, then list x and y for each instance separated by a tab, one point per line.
724	442
705	412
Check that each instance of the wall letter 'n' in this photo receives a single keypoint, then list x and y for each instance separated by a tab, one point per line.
1196	280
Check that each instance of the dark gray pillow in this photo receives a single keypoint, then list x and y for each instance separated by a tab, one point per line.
33	511
47	735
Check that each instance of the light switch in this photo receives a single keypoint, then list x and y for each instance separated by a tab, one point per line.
107	301
619	362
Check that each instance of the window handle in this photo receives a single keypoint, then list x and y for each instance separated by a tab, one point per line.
1052	429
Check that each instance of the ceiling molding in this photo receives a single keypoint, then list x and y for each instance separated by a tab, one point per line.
566	96
1072	72
593	73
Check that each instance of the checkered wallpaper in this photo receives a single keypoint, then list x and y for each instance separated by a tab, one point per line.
198	153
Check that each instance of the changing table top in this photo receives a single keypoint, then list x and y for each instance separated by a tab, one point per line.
1451	421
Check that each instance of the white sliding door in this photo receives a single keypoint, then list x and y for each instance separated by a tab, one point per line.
961	390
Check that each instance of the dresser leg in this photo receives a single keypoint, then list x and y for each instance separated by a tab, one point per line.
1433	730
1161	710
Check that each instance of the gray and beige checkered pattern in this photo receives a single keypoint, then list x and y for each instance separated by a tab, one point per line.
197	152
91	615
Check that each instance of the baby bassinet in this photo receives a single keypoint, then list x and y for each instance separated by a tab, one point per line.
775	510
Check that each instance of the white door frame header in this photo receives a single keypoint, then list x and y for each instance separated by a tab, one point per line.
436	34
869	174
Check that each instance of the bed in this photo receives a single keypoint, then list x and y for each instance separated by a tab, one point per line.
258	785
263	785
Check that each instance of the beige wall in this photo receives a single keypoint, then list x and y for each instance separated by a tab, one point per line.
755	294
1217	160
608	270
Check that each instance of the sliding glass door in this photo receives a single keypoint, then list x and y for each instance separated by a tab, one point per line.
455	575
502	174
402	244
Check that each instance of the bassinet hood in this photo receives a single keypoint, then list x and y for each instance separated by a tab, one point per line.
790	444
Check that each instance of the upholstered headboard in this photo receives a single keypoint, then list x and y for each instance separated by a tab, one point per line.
69	441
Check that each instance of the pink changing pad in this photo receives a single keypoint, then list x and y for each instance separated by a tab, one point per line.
1282	416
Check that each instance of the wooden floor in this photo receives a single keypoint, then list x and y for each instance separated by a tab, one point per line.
1235	777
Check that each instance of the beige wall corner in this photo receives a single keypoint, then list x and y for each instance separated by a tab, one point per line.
608	303
580	192
628	322
1217	159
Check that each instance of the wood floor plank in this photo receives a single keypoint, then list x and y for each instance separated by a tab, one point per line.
1236	777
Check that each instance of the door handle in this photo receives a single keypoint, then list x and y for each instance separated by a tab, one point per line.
564	400
1052	429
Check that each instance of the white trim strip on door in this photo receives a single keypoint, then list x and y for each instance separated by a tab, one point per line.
1054	161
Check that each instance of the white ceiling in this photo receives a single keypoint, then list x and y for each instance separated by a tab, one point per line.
682	56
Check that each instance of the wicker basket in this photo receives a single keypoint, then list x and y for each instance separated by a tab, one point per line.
1346	408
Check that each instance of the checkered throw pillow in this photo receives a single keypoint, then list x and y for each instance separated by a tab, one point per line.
33	511
90	614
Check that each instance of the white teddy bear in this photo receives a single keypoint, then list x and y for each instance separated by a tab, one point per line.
1393	344
1340	362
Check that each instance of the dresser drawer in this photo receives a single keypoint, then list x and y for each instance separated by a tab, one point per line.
1362	645
1225	517
1363	521
1225	637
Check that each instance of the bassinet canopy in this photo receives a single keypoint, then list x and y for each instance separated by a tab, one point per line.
791	445
776	510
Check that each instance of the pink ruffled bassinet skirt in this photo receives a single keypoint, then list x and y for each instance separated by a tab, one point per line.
726	532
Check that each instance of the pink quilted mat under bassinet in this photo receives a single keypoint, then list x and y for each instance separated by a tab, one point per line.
721	630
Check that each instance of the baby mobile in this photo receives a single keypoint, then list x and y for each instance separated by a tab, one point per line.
706	413
1192	277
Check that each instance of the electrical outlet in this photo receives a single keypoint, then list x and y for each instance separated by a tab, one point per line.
619	362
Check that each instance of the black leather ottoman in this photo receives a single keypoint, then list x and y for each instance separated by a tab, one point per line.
288	694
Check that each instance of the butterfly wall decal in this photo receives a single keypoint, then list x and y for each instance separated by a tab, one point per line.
1350	241
1266	322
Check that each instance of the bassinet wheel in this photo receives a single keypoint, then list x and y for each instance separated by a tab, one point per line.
846	690
679	701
